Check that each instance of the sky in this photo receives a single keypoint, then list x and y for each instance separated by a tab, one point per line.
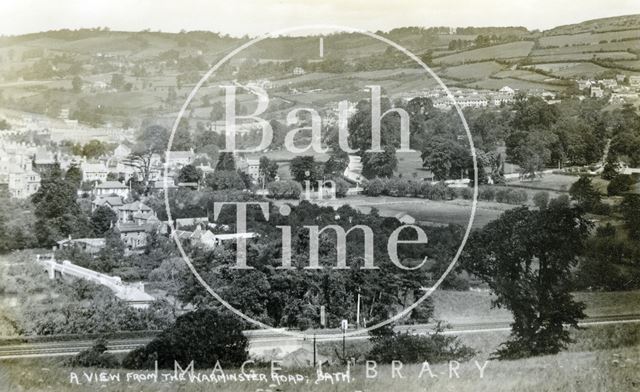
254	17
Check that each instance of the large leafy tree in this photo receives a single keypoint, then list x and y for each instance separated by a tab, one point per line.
526	257
268	169
631	212
585	194
58	215
204	336
189	173
151	140
445	157
102	219
375	163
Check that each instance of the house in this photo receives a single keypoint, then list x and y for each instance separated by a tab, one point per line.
620	78
43	160
21	183
608	83
127	212
298	71
190	222
596	92
179	158
507	90
134	235
122	151
94	171
109	188
251	167
89	245
584	84
634	81
113	202
201	238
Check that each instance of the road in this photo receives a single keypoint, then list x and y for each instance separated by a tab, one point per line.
265	340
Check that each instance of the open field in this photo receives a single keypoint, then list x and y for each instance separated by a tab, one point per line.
475	306
586	38
555	182
474	71
504	51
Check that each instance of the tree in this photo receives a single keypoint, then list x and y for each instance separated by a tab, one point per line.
102	219
620	184
630	208
94	149
541	200
74	176
526	257
379	164
445	157
225	180
205	336
151	140
303	168
286	189
268	169
190	173
58	215
76	84
584	193
112	254
226	161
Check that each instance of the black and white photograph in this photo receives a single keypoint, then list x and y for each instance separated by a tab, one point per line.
319	196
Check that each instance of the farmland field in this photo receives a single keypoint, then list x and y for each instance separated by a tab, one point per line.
586	38
566	57
504	51
474	71
495	84
569	69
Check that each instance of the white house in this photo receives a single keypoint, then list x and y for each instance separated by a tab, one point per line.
109	188
94	171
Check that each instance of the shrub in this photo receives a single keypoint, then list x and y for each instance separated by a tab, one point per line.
465	193
287	189
541	200
486	193
409	348
342	187
204	336
511	196
374	187
620	184
96	356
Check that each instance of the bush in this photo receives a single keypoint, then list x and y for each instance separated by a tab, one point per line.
374	187
541	200
204	336
486	193
342	187
511	196
465	193
96	356
287	189
409	348
620	184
